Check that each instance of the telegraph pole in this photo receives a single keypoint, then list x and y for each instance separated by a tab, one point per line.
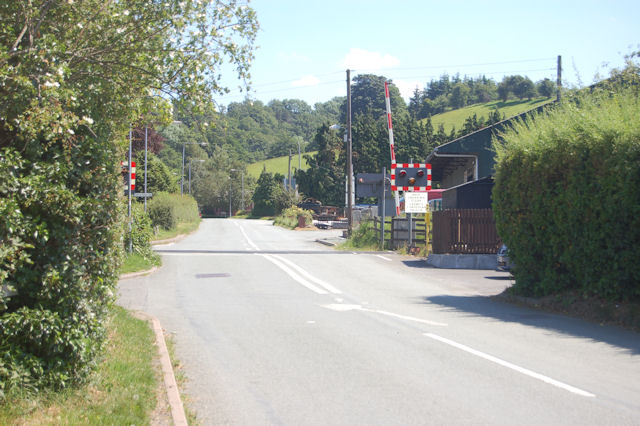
559	81
349	163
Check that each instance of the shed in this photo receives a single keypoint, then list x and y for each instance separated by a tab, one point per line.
471	195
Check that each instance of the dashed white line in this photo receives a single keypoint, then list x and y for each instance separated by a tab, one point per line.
507	364
383	258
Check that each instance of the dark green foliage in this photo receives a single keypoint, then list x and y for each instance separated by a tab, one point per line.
324	180
266	195
159	177
567	197
141	231
60	215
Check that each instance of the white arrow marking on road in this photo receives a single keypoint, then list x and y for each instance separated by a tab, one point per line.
511	366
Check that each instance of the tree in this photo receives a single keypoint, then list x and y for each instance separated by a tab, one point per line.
525	88
324	180
267	194
368	97
459	95
74	76
159	176
546	88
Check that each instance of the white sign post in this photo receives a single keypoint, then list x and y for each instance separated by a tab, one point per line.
416	202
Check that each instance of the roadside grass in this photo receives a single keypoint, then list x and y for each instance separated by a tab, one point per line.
123	390
510	108
278	165
182	228
364	237
135	263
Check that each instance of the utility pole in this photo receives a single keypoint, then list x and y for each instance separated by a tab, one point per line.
559	81
146	133
129	191
349	153
289	181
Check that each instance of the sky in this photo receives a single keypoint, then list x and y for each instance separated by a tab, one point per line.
304	47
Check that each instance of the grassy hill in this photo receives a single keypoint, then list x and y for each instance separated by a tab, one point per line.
508	109
278	165
448	119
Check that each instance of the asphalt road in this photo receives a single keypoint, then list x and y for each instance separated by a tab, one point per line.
273	328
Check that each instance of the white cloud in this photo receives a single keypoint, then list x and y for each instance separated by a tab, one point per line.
306	81
407	87
360	59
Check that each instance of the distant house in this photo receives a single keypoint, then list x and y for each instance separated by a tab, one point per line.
467	160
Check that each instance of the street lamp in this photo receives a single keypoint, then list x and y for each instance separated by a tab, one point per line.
183	148
190	161
184	144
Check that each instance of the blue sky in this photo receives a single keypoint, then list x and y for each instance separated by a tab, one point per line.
305	46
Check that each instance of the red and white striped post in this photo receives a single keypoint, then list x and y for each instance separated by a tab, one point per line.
391	144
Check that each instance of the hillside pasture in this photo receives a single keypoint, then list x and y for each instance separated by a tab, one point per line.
508	109
278	165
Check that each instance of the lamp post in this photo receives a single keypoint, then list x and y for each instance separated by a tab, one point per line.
190	161
241	190
183	149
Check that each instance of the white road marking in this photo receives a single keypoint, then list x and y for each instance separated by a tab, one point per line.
339	307
246	237
346	308
511	366
383	258
187	253
325	285
293	274
404	317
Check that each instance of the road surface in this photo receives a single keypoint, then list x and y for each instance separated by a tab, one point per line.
273	328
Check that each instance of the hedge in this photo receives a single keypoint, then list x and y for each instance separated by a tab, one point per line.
567	197
60	252
167	210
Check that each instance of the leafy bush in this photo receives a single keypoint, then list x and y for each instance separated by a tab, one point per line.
162	211
289	217
60	220
141	232
567	197
364	236
167	210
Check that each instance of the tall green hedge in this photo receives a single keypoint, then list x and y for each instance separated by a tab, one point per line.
60	243
167	210
567	197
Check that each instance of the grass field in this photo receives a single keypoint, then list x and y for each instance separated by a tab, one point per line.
278	165
509	109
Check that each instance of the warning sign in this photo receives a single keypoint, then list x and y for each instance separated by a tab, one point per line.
416	202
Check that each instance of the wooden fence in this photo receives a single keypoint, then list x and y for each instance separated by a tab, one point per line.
471	231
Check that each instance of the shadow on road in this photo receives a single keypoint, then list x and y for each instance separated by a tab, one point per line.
490	306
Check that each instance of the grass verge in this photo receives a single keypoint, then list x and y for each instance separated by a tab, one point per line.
135	263
180	229
124	389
